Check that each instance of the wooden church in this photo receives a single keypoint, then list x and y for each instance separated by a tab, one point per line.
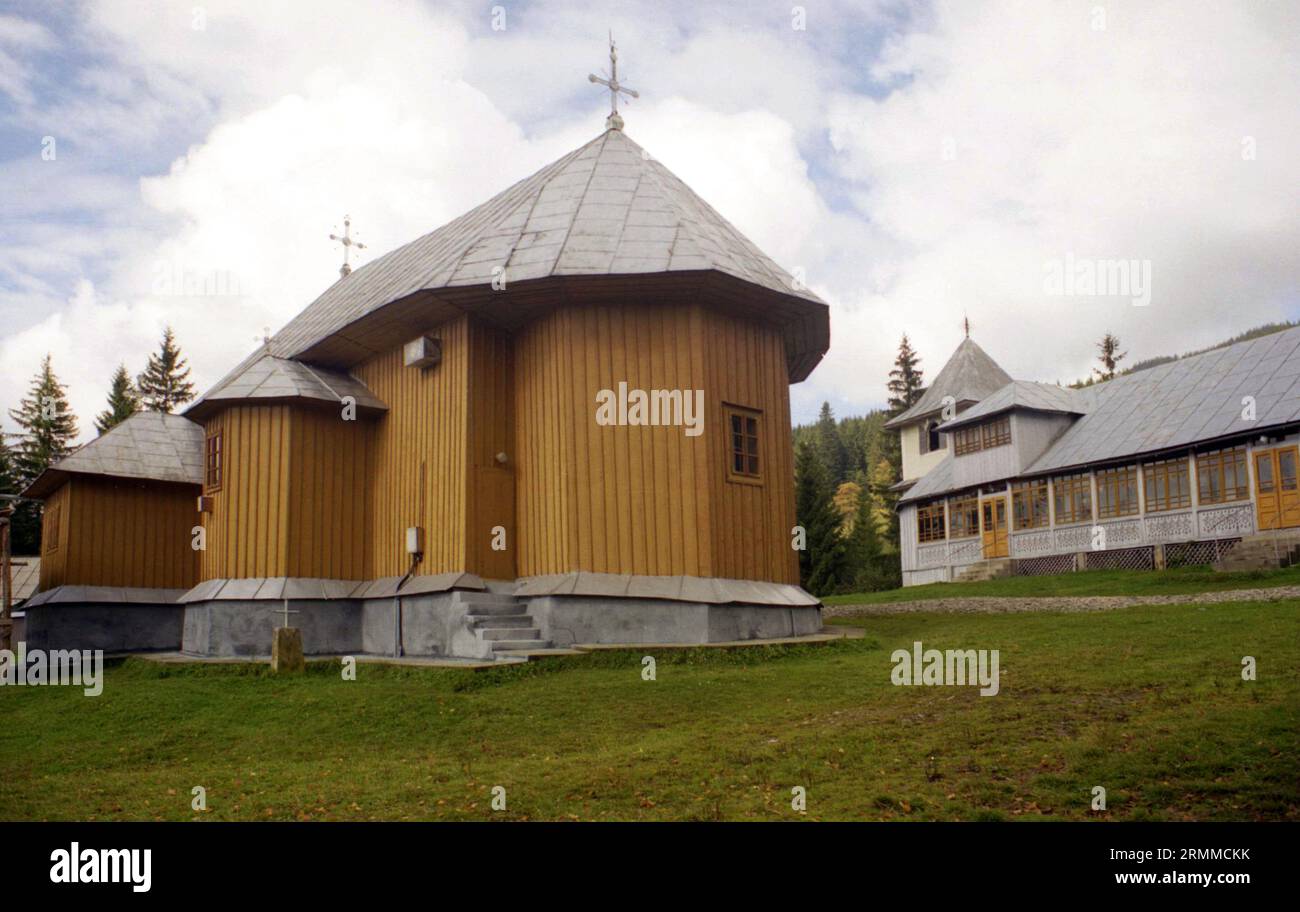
561	418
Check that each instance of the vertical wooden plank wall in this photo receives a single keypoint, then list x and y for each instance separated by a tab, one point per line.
610	499
54	562
418	472
117	532
247	530
751	531
327	535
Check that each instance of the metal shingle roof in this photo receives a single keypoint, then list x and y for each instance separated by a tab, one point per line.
604	209
1184	402
969	376
266	377
150	445
1192	400
1026	394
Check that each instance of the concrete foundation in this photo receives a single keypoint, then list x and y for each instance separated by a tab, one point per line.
237	618
110	627
570	620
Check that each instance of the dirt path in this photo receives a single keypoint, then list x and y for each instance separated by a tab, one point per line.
1008	604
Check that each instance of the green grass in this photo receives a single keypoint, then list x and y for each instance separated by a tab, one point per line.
1093	582
1147	702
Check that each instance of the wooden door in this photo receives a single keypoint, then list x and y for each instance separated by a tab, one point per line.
492	527
1277	489
993	523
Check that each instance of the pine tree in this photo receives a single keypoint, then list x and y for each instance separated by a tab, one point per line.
8	468
48	429
821	563
123	401
906	380
863	548
833	454
165	382
1109	355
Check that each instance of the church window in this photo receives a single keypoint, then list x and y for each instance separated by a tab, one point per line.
965	517
1222	475
1072	498
212	473
966	440
1117	492
929	523
997	432
1029	505
1167	485
742	429
933	439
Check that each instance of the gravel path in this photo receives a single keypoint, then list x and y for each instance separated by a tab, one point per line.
1001	605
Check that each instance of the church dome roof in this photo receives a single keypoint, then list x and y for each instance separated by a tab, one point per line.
606	211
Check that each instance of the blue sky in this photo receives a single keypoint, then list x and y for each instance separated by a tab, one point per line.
919	162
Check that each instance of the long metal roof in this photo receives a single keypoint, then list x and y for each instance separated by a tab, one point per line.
1241	389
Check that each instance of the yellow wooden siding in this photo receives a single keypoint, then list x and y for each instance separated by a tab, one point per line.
419	457
247	528
54	560
751	529
118	532
609	499
328	503
491	421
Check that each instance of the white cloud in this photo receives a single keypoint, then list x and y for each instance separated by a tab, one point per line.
1119	143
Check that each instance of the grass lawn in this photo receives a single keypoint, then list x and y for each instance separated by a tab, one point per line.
1092	582
1147	702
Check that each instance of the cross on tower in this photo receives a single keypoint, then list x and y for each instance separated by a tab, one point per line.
348	243
614	121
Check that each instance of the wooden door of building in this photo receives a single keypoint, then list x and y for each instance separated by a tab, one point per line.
993	527
1277	489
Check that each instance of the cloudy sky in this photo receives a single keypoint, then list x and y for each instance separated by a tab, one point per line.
920	162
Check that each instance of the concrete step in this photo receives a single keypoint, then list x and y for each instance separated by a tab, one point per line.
502	645
499	620
509	633
486	598
493	609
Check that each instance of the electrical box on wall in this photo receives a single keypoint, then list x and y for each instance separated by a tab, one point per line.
425	351
415	540
205	504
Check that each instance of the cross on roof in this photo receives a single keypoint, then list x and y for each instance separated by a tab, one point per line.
614	121
348	243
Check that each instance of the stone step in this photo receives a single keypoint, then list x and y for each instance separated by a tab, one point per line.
499	620
486	598
509	633
502	645
493	609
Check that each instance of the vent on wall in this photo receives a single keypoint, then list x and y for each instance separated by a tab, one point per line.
425	351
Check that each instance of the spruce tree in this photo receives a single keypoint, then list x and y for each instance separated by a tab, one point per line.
906	380
833	453
821	562
48	429
165	382
123	402
1109	355
863	548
